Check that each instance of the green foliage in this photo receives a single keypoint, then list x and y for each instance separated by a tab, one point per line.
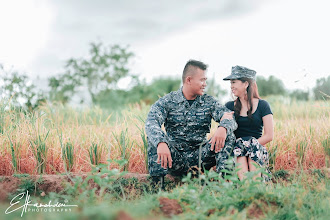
124	143
326	147
141	92
281	174
144	146
95	152
3	107
270	86
214	89
101	195
300	151
272	157
15	156
63	87
98	72
68	156
26	184
299	95
322	89
159	87
18	88
40	150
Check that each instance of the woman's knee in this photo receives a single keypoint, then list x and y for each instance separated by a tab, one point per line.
252	164
242	162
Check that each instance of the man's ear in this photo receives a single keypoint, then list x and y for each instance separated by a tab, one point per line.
188	80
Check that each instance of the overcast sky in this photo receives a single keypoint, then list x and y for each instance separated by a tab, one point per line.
285	38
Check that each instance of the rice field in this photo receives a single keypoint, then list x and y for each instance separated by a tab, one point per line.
58	139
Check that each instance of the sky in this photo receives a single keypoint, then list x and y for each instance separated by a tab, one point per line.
285	38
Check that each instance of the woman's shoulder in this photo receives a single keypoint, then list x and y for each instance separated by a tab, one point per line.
230	105
263	103
264	107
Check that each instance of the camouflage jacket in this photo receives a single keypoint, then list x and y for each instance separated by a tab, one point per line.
185	125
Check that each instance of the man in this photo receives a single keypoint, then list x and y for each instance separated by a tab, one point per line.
186	115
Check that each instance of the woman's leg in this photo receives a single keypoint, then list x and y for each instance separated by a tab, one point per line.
253	166
242	164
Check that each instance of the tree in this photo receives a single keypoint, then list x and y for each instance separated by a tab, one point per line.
214	89
19	88
272	86
63	87
98	73
299	95
147	93
322	89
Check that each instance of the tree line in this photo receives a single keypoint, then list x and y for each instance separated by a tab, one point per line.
98	75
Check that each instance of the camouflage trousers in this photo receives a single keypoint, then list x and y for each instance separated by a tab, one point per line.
188	157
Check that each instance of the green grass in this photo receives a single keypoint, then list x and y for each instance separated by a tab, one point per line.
40	149
95	151
68	156
302	196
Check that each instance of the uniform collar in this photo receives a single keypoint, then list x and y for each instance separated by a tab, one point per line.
181	98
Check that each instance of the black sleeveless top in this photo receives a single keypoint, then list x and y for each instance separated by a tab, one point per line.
251	127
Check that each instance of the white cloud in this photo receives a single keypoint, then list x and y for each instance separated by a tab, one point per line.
25	26
284	38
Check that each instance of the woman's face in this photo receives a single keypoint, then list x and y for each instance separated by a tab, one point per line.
238	87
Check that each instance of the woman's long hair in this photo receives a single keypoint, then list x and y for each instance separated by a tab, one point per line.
251	92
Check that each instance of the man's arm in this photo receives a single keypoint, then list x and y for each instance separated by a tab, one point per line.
155	120
225	126
217	113
156	136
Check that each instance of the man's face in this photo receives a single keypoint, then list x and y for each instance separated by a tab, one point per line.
198	82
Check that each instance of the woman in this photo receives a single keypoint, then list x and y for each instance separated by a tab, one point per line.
253	115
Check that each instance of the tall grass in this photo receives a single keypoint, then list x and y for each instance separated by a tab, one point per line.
15	155
95	152
144	145
301	152
40	150
124	144
68	156
296	124
326	147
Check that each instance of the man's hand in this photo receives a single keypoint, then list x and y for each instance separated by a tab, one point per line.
227	115
164	155
218	139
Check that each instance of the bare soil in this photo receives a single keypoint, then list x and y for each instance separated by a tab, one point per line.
50	183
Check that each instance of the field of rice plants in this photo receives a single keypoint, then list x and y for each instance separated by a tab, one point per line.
59	139
105	145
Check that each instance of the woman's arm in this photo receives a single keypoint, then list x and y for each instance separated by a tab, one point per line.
268	130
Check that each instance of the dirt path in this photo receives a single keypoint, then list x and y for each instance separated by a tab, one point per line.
48	183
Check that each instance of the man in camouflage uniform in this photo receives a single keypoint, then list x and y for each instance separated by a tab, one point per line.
186	115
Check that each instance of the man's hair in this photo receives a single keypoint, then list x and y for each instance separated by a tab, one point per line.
190	66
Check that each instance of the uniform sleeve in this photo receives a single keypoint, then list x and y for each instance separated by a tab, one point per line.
217	112
265	108
155	120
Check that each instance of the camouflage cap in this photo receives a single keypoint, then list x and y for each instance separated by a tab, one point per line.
238	72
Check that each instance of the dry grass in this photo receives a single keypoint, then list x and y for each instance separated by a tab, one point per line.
296	124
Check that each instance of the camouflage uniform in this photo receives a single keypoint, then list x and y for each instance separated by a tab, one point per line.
186	128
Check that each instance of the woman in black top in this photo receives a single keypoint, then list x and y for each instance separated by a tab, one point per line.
253	115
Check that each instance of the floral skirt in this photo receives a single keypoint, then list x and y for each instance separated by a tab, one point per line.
253	149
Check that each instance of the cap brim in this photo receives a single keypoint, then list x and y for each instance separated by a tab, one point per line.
230	77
